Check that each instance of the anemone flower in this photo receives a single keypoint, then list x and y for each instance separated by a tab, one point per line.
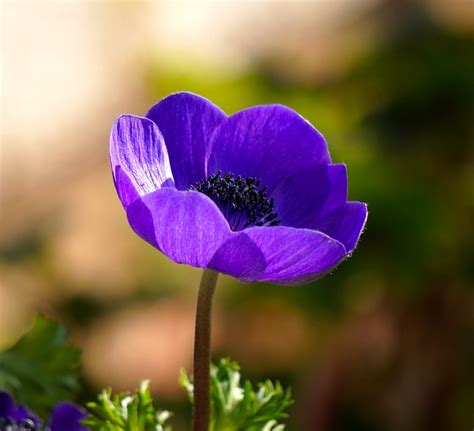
64	417
253	195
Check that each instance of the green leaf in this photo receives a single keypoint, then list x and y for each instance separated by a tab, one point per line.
126	412
41	368
237	407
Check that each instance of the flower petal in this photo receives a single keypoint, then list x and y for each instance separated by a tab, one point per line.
302	198
268	142
344	223
186	226
67	417
295	256
187	122
189	228
8	409
138	158
22	412
240	257
7	405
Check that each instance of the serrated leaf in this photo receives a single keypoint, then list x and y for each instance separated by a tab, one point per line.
126	411
41	368
238	407
186	385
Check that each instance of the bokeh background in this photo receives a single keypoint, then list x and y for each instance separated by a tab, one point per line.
384	343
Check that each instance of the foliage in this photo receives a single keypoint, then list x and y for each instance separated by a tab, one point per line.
41	368
126	411
237	407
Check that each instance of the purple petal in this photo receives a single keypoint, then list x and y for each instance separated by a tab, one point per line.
268	142
9	409
7	405
67	417
186	226
187	122
22	412
189	228
344	223
240	257
138	158
295	256
302	198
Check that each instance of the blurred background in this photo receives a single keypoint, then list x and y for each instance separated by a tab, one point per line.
384	343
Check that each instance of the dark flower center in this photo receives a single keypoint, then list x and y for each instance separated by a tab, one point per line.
242	201
9	424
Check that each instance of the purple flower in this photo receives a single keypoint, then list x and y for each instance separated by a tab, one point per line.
253	195
64	417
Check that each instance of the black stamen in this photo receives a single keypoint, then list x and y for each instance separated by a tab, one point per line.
240	199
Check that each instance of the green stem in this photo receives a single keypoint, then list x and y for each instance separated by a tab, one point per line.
202	351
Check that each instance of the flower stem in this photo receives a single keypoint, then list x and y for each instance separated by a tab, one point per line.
202	351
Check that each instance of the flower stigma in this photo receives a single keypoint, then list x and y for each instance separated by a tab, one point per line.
242	201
